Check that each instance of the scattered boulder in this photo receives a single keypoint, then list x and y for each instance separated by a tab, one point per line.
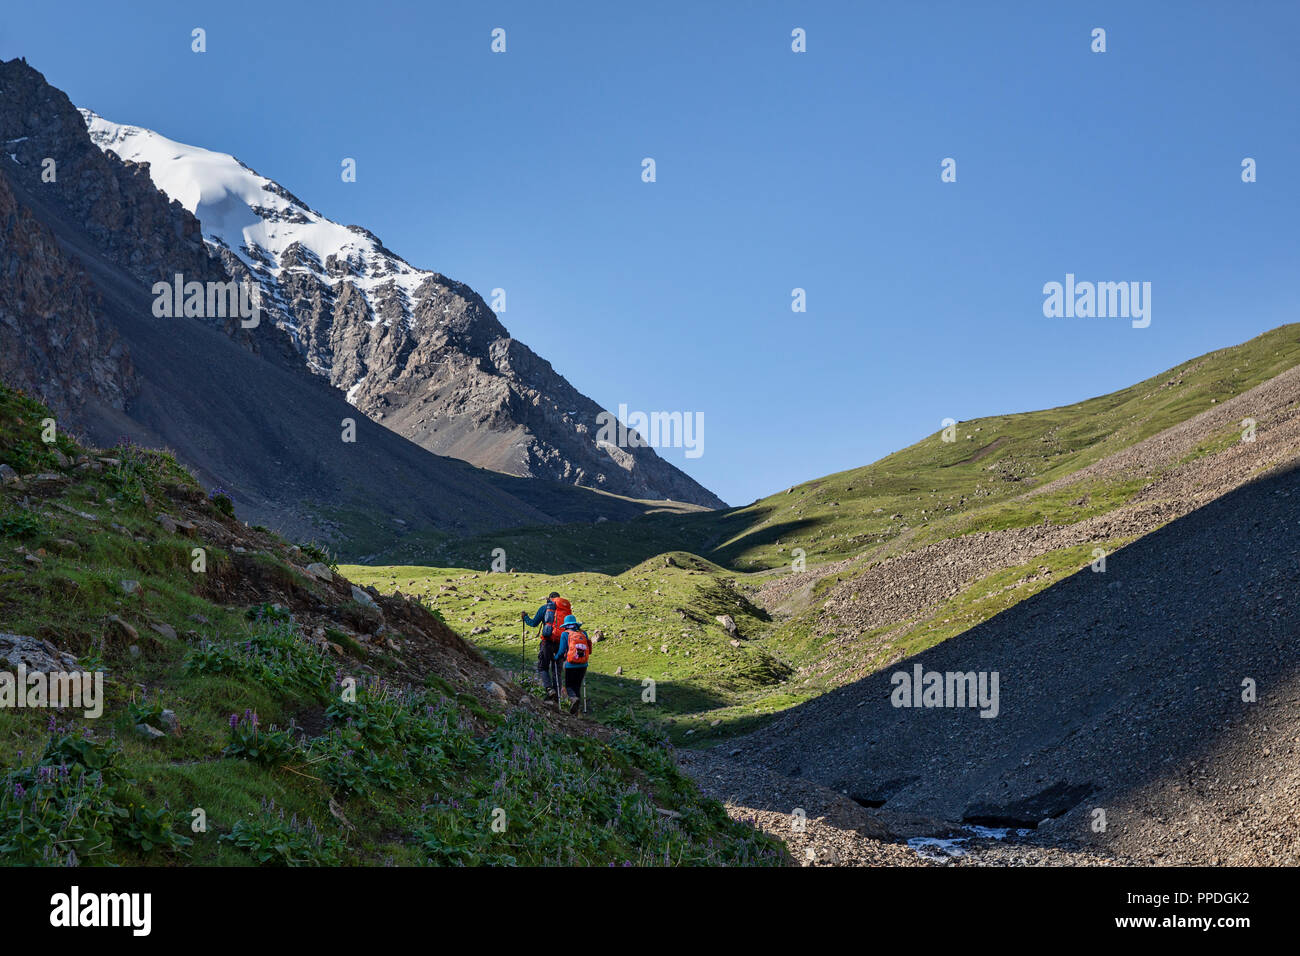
728	623
166	522
320	572
121	630
166	630
495	689
364	599
34	654
148	732
71	510
130	587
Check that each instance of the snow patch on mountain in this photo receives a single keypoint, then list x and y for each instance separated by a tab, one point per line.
258	219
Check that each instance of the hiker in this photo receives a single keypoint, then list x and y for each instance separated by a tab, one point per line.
553	610
575	651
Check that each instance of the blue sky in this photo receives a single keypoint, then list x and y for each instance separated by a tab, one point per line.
775	170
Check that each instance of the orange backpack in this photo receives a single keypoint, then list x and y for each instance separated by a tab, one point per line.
579	647
560	609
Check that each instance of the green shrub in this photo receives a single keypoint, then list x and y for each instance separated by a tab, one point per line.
20	524
271	655
65	809
248	741
148	830
222	502
273	840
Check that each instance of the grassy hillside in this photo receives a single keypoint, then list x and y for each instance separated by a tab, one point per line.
656	621
228	702
900	555
913	490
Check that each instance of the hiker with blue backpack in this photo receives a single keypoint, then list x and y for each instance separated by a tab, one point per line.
553	611
575	653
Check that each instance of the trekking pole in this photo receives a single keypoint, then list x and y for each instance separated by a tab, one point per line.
523	668
584	691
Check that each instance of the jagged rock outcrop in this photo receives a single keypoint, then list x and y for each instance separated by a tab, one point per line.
57	345
116	203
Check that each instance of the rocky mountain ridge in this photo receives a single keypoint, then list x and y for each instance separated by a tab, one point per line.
416	351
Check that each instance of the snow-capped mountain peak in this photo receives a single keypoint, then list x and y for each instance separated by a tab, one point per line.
256	218
416	351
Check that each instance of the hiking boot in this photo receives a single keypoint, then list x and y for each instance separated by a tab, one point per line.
550	693
573	705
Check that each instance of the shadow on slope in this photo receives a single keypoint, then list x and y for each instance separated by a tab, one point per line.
607	547
1107	681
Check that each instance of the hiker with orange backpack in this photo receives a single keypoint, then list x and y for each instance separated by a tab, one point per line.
553	610
575	652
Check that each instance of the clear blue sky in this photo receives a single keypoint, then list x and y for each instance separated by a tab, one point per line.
775	170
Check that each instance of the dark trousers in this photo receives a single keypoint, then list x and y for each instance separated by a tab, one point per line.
546	663
573	680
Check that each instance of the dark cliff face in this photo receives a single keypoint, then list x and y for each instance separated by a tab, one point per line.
56	342
454	381
135	225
